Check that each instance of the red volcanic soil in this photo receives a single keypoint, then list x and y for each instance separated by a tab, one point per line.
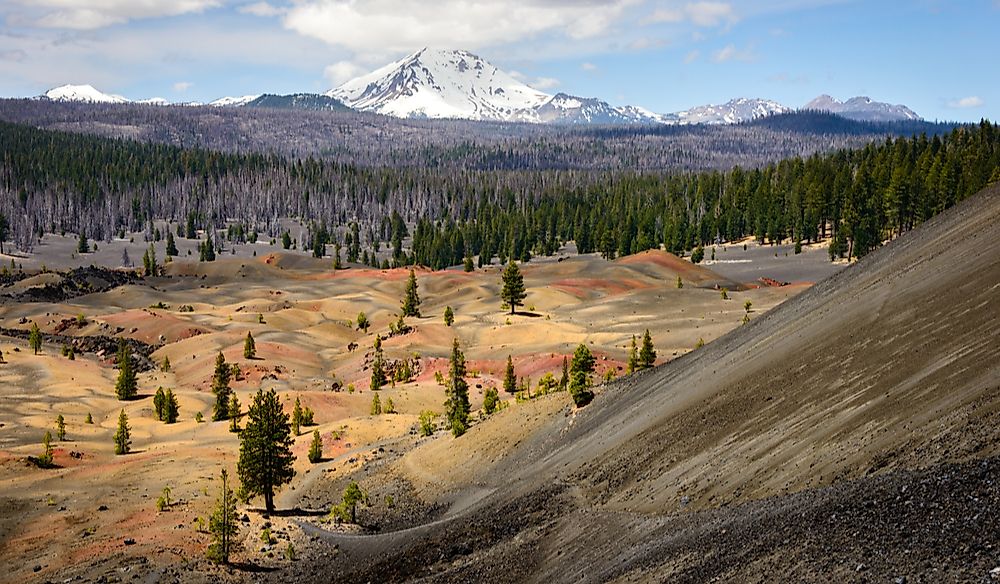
151	324
672	263
583	287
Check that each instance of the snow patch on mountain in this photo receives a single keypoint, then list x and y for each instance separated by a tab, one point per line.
234	101
81	93
734	111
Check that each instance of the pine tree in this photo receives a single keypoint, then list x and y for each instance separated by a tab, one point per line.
123	440
449	316
363	323
265	448
564	379
82	246
35	338
469	266
171	245
45	460
60	428
222	524
633	358
171	408
316	448
378	367
647	355
234	414
249	347
376	409
509	378
491	401
220	387
680	283
165	367
411	300
513	292
297	417
159	404
390	408
126	387
580	371
457	405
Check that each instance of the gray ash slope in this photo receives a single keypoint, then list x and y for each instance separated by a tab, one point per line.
851	434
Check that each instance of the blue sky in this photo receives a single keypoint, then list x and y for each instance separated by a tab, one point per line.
665	55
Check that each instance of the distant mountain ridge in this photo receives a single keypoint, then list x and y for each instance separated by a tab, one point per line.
862	109
456	84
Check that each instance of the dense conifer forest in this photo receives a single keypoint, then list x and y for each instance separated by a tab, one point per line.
53	181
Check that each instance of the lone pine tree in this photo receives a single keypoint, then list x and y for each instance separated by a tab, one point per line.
411	300
35	338
509	377
580	370
378	366
220	387
457	405
249	347
222	524
647	355
265	448
126	387
123	436
512	293
316	448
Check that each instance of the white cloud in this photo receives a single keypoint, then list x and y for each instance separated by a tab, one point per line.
731	53
403	25
262	9
182	86
706	14
544	83
589	67
966	102
341	72
93	14
692	56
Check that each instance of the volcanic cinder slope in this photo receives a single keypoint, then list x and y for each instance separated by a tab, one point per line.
847	435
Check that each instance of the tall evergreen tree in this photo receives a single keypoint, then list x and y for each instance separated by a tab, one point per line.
171	245
221	389
316	448
234	413
513	292
647	355
126	387
378	367
509	377
564	378
82	246
265	448
223	524
457	405
633	358
249	347
411	300
123	436
172	409
35	338
580	370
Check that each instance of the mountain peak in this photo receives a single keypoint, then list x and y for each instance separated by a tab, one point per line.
441	83
863	108
81	93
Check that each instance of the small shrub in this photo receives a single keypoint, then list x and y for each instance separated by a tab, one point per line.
427	425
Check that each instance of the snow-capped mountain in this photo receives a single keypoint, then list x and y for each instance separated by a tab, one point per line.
442	84
562	108
863	109
734	111
81	93
234	101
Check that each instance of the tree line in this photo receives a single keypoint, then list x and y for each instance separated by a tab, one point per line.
54	182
